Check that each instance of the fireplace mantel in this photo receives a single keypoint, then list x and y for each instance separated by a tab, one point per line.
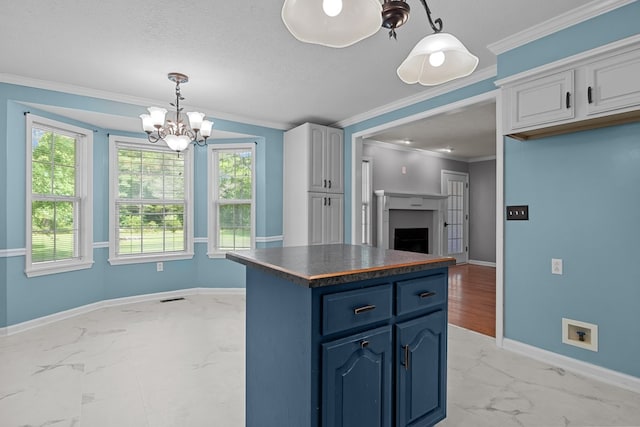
390	200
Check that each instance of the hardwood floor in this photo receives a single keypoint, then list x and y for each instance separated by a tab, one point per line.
472	298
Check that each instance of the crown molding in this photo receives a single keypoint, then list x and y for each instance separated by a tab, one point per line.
478	76
422	151
481	159
127	99
560	22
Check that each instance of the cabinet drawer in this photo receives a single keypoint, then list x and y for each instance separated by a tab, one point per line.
346	310
423	292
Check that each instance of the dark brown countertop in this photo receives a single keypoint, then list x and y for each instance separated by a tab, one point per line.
323	265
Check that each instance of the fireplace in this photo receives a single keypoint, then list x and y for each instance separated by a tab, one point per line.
411	239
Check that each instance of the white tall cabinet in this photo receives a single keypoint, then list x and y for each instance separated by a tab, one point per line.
313	185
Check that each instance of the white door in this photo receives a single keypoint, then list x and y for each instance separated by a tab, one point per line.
456	226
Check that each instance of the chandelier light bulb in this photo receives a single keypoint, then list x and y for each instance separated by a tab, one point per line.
436	59
332	7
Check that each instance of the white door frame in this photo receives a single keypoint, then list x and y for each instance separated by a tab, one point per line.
465	232
356	185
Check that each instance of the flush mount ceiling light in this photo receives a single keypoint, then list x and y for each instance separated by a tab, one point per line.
436	59
174	132
331	22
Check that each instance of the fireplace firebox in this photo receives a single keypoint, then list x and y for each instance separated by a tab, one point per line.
411	239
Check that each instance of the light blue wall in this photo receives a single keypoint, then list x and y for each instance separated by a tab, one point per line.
23	299
411	110
582	192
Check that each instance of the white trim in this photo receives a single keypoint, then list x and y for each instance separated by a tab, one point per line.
481	159
499	222
628	43
99	245
83	213
67	314
482	263
269	239
118	97
8	253
557	23
478	76
212	194
117	141
589	370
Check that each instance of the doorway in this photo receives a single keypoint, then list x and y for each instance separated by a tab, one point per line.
455	185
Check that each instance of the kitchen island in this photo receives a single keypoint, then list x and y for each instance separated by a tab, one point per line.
344	335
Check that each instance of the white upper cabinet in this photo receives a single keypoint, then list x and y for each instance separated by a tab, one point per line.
326	163
593	89
543	100
613	83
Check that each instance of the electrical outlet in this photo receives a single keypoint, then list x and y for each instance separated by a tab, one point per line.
556	266
159	266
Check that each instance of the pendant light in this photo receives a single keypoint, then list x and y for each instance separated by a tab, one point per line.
332	23
437	58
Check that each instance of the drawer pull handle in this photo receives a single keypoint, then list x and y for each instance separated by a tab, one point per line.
406	357
427	294
364	344
364	309
589	95
568	99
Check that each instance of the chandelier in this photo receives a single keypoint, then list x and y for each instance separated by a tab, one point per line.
173	131
436	59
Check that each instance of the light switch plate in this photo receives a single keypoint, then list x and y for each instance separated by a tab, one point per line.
518	213
556	266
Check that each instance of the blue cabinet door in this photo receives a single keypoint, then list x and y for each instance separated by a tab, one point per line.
421	370
356	380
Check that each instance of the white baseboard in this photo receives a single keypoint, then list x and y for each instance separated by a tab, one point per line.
577	366
55	317
483	263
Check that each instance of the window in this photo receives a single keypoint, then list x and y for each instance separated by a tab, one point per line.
150	201
231	197
59	232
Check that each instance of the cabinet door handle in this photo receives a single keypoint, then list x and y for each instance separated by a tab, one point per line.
364	344
427	294
324	201
329	183
329	198
568	99
363	309
406	356
590	95
325	184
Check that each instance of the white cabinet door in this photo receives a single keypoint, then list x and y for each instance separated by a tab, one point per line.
545	100
333	218
334	165
614	83
317	202
317	153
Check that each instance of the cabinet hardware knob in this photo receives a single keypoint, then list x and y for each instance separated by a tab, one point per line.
568	99
364	344
590	95
364	309
427	294
406	357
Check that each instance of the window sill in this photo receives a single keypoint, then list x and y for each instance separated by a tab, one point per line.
150	258
53	268
222	254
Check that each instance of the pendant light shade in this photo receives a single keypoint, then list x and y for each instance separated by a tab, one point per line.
309	20
436	59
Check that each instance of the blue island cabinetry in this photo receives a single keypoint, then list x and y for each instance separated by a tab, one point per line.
362	346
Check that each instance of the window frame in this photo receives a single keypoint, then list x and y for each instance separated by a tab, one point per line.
116	142
84	195
212	195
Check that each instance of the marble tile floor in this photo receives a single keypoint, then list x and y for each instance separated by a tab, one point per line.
182	364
